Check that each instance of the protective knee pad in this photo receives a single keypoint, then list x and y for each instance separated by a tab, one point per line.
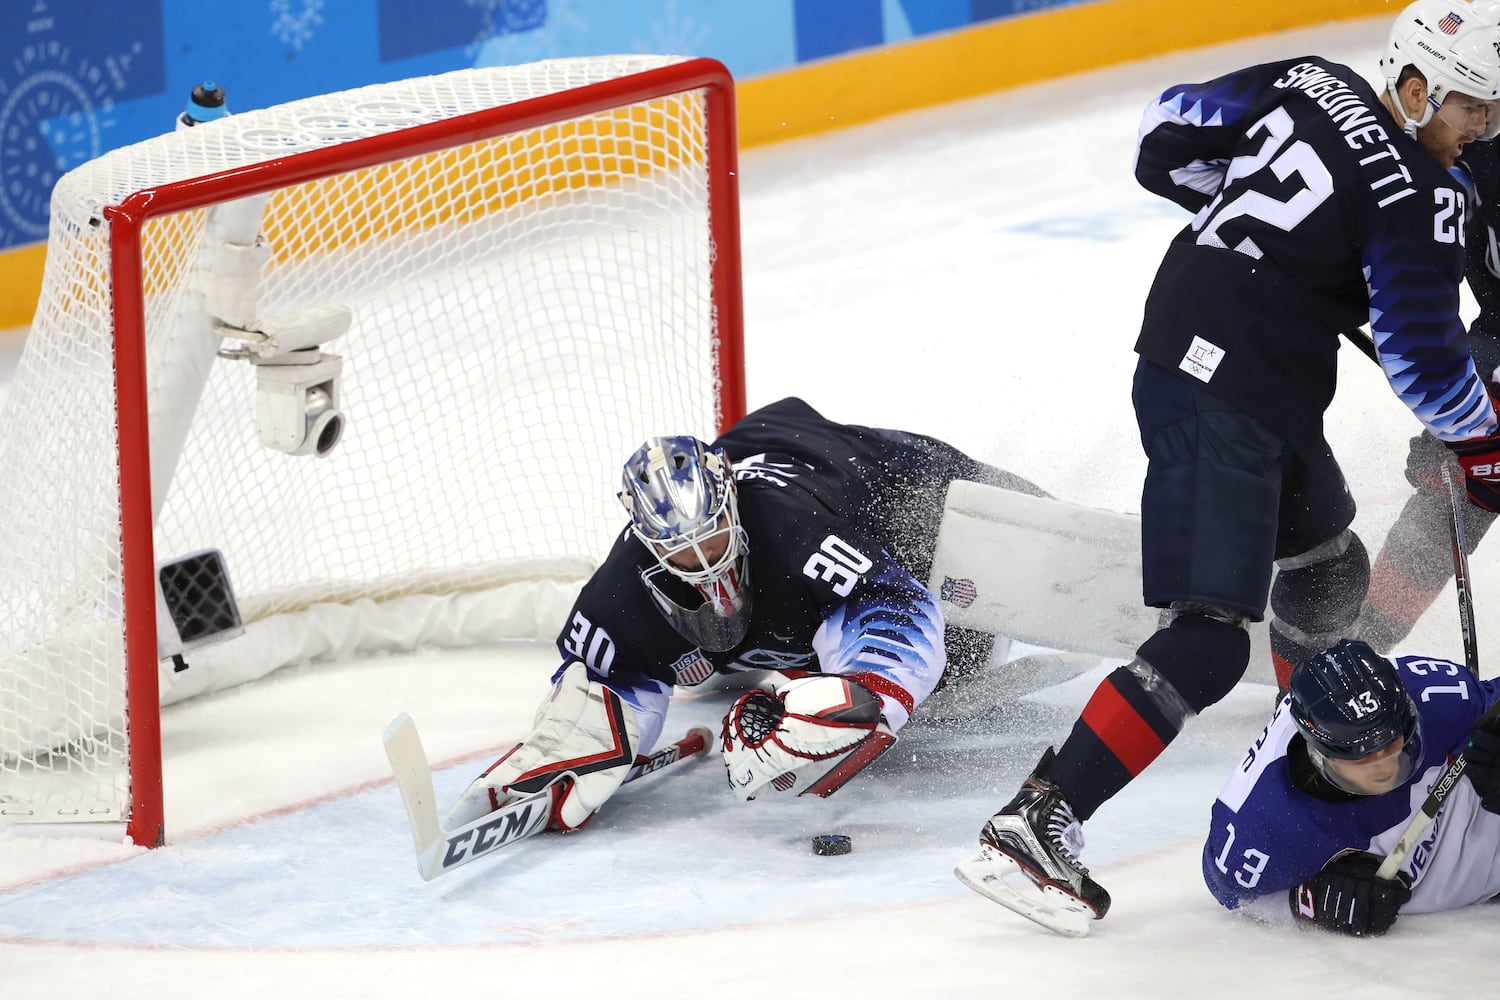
1319	592
1202	655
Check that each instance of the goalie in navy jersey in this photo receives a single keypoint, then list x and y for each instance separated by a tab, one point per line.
792	544
1328	788
1317	205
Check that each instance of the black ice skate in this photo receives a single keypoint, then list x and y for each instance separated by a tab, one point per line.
1028	860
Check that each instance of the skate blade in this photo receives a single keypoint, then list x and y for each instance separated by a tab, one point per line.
999	879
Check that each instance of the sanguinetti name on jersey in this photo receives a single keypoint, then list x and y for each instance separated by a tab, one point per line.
1357	121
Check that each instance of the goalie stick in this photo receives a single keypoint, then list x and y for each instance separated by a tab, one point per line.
439	850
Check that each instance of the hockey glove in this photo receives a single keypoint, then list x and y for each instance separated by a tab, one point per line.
1480	459
1347	897
812	736
581	747
1483	756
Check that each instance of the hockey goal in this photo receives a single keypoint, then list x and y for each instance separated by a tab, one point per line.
379	356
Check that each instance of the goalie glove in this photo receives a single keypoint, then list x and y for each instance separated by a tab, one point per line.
814	735
1349	898
581	747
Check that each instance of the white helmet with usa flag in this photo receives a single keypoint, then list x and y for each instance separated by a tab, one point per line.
1455	45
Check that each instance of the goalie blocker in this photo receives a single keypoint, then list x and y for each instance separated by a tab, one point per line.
1049	573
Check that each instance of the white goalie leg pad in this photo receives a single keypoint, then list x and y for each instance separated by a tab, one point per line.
812	736
994	546
581	747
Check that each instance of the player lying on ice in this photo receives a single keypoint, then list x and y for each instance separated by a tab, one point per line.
1319	204
792	544
1334	779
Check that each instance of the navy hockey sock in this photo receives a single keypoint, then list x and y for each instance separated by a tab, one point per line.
1141	707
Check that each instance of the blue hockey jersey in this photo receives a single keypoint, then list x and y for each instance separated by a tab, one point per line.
1267	836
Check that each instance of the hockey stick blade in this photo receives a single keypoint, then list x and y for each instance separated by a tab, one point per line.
438	850
999	879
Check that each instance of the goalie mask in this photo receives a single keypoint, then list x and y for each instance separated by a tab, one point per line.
1358	721
683	506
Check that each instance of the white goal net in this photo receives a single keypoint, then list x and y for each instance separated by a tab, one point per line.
384	350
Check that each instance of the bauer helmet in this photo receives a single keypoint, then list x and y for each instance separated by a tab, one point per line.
1349	704
1455	45
684	508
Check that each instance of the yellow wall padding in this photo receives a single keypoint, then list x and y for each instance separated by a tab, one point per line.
859	87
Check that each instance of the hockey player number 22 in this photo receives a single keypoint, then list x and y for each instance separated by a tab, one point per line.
1298	159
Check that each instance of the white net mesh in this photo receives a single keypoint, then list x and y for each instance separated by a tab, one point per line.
525	309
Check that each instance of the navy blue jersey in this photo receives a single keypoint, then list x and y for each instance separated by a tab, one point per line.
1267	835
1314	213
840	522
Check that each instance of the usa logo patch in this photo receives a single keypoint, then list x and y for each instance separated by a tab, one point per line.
692	668
1450	24
960	592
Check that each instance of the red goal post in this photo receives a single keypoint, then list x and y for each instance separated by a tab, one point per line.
385	351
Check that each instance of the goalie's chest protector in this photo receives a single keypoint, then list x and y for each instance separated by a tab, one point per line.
617	630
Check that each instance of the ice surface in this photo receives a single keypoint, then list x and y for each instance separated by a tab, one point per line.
974	271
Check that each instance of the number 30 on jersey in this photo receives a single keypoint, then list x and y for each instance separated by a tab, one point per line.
838	563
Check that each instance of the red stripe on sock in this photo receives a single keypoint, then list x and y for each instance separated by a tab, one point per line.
1283	669
1121	729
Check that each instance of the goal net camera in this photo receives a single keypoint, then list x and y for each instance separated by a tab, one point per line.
375	357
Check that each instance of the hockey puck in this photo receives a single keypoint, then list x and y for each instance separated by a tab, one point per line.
829	844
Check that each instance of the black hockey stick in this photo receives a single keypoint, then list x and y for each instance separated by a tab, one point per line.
1363	341
1449	779
1456	502
1461	582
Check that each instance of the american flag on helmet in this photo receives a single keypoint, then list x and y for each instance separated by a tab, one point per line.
1450	24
